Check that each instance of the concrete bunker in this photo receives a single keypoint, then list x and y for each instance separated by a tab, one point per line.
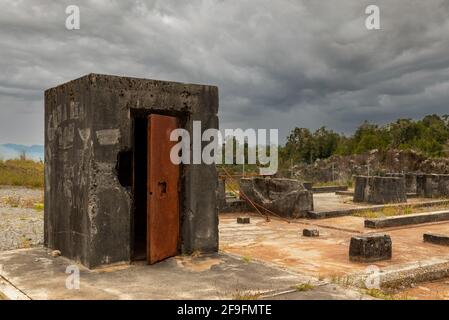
100	149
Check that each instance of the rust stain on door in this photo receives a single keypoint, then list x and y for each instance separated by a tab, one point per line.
163	195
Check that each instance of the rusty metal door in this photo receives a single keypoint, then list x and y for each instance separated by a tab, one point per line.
163	196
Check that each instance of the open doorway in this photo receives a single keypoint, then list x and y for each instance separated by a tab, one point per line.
139	226
156	189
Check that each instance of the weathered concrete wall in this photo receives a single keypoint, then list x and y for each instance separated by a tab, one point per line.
379	190
88	121
221	193
410	180
433	185
285	197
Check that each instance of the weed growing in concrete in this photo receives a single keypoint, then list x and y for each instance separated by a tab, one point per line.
246	295
379	294
302	287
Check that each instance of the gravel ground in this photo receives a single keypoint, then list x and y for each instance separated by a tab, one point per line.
21	226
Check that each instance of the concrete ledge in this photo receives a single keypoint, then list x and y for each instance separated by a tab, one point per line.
10	292
434	238
345	193
406	220
348	212
327	189
405	275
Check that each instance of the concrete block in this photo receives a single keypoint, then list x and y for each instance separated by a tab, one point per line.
310	233
308	185
432	185
243	220
370	248
236	205
286	197
379	190
434	238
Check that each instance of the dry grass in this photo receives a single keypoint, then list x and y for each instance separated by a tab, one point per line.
246	295
384	295
19	202
26	173
304	287
398	211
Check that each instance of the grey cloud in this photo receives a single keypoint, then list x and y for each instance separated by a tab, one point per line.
278	64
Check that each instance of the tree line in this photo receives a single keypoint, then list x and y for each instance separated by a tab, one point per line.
428	136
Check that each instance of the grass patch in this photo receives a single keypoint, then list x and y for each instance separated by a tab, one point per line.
386	212
246	295
25	173
302	287
398	211
379	294
246	259
39	206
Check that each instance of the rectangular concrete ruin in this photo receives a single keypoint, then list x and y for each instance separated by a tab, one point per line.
98	160
410	181
433	185
379	190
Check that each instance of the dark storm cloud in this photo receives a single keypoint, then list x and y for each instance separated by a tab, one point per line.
278	64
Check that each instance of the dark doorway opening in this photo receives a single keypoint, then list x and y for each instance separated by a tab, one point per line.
140	179
139	234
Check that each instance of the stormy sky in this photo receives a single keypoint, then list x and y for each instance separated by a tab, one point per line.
278	64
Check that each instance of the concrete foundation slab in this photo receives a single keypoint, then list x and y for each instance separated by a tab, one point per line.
277	241
331	205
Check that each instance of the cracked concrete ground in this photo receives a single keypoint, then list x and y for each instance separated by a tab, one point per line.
220	276
263	260
327	256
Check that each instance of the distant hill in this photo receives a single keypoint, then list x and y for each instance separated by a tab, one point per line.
12	151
